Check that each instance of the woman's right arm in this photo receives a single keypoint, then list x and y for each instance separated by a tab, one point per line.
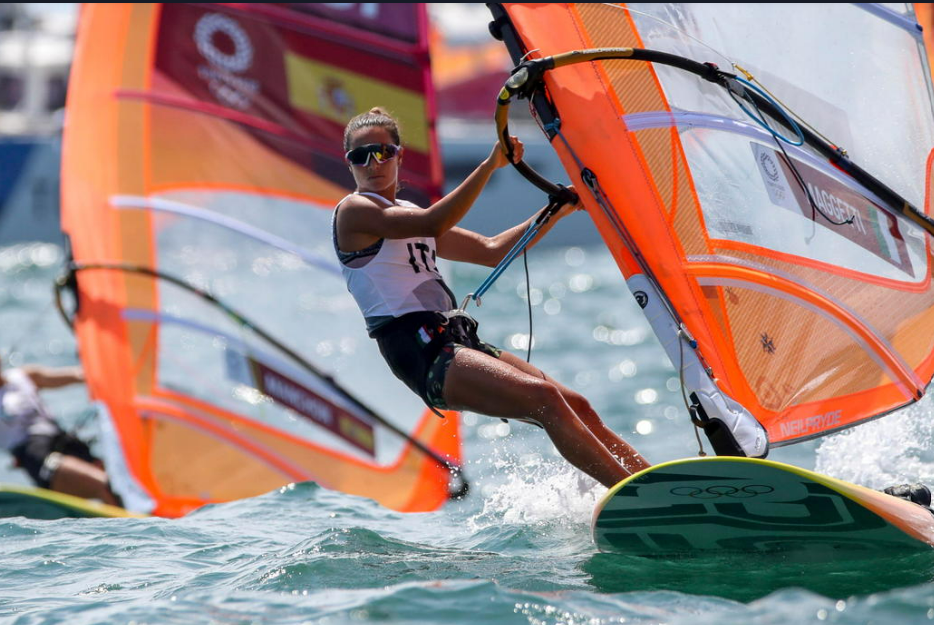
45	377
362	215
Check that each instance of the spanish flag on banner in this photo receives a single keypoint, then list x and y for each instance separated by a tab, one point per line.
338	94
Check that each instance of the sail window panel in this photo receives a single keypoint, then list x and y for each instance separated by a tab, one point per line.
293	226
303	305
754	222
200	366
867	68
748	195
206	357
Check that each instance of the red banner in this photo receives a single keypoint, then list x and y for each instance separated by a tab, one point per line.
289	393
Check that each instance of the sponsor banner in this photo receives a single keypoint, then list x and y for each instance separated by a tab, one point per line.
309	404
873	229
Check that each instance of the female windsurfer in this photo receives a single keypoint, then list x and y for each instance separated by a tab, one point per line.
53	458
387	249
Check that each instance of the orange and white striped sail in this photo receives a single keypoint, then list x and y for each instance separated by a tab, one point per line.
203	153
809	296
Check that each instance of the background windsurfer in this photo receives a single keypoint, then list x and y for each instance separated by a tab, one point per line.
53	458
387	248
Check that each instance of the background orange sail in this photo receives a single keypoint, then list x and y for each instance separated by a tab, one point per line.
201	160
809	295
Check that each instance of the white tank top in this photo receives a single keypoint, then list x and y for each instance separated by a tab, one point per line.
393	277
21	410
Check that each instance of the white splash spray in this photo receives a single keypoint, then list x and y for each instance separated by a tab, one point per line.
537	490
896	449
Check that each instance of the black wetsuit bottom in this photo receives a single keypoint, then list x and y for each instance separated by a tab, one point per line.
419	348
33	453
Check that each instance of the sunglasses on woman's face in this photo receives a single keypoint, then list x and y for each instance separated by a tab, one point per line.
382	152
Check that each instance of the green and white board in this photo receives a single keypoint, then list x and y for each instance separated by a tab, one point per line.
720	505
40	503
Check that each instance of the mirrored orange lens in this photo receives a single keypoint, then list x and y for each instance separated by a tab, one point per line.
382	152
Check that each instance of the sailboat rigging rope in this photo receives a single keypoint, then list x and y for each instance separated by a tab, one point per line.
555	201
69	281
815	209
528	299
784	106
692	411
759	118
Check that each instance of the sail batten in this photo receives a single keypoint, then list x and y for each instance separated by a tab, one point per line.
240	227
910	26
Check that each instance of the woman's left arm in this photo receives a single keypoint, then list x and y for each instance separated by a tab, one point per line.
470	247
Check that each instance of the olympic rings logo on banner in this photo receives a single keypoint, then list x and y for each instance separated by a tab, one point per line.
715	492
223	72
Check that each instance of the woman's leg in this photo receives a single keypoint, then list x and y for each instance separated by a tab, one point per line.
481	383
75	476
624	452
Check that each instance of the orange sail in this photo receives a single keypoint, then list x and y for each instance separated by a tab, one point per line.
201	163
788	280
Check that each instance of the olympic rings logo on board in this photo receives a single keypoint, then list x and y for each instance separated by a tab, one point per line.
715	492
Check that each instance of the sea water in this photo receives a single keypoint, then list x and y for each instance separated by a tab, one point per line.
517	550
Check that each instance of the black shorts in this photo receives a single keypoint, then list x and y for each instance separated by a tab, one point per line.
34	454
419	347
